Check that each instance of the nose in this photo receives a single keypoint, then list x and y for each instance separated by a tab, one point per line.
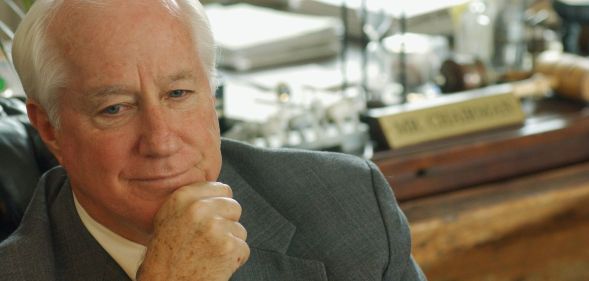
158	139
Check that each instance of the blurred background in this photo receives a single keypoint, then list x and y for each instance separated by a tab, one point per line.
474	110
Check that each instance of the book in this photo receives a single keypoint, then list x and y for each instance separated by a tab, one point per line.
249	36
423	16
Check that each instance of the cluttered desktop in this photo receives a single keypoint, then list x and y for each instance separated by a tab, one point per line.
350	75
493	91
475	111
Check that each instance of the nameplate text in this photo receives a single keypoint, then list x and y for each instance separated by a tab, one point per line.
409	126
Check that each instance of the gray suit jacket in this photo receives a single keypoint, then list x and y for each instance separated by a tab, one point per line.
310	216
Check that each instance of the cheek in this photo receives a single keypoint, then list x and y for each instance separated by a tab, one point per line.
202	123
205	138
98	156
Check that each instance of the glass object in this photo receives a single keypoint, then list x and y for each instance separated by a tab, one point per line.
510	34
377	21
475	30
423	55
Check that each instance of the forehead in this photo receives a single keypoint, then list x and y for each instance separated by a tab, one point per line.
116	37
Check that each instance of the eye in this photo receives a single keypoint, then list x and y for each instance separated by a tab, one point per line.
112	110
177	93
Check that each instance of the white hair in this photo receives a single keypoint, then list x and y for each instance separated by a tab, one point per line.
42	69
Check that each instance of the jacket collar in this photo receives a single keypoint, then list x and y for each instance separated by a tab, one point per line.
267	228
269	237
77	254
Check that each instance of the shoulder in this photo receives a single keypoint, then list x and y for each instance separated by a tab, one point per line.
242	154
342	207
293	174
27	254
22	257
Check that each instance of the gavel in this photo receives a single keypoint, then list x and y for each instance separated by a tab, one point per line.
568	73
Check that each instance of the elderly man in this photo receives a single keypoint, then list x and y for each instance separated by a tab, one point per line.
120	92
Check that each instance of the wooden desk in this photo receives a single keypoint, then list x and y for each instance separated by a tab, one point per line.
531	228
505	205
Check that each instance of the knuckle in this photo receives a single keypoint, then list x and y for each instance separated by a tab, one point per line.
199	210
243	231
227	191
239	229
215	226
246	251
228	246
180	193
244	255
238	210
235	204
195	208
225	246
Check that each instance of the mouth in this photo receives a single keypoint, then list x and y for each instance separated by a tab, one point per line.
163	181
159	177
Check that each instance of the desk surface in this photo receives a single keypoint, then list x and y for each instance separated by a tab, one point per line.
510	204
530	228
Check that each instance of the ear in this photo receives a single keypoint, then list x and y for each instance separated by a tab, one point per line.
40	120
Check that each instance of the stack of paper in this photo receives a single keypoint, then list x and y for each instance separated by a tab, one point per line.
423	16
249	36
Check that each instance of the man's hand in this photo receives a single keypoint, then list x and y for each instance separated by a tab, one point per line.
197	236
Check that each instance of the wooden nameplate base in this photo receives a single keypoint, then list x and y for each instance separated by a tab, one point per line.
447	116
554	135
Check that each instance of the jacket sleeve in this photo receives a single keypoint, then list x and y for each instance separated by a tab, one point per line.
401	266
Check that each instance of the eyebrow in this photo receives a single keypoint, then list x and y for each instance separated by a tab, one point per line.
100	93
182	75
121	90
97	95
108	91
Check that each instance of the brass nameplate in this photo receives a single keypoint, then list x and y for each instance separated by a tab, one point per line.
450	116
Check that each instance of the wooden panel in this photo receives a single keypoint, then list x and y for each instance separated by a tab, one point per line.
544	142
532	228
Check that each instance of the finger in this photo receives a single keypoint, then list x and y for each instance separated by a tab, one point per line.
238	231
234	228
244	252
223	207
190	193
182	198
206	189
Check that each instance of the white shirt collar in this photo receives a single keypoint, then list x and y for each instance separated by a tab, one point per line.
128	254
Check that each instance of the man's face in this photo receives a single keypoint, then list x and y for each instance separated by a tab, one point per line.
137	114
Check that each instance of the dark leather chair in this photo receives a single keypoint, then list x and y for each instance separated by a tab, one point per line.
23	159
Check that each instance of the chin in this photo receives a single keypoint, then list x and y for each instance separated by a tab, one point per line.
142	218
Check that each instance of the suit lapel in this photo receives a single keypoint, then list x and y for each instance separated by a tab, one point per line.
267	229
78	255
269	237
